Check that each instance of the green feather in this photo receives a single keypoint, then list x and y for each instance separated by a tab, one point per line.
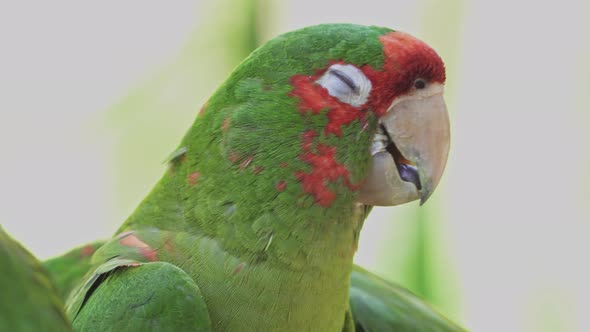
143	297
68	269
29	300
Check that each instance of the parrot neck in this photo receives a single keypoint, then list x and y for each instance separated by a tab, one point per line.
292	235
297	257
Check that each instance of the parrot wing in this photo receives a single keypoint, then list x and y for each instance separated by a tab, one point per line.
30	302
129	295
379	305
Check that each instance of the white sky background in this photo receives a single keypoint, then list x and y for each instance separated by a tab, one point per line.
516	192
518	178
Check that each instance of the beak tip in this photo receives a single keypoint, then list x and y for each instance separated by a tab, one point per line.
425	194
423	200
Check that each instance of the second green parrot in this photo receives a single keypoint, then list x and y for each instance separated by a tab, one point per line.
29	301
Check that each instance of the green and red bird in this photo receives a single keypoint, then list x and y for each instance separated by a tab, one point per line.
255	225
29	301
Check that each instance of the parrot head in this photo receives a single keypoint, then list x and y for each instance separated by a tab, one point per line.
326	115
411	145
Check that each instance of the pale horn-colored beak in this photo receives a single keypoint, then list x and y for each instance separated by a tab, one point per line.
418	132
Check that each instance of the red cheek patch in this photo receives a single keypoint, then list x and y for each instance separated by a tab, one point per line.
325	169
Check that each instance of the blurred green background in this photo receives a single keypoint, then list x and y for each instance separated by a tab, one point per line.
96	95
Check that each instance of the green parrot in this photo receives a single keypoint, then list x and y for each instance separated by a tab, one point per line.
256	222
29	301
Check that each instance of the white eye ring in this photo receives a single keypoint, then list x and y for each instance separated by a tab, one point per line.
347	83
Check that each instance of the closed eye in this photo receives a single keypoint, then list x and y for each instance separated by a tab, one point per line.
347	83
347	80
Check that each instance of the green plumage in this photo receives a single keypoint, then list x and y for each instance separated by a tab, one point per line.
28	299
232	224
144	297
67	270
